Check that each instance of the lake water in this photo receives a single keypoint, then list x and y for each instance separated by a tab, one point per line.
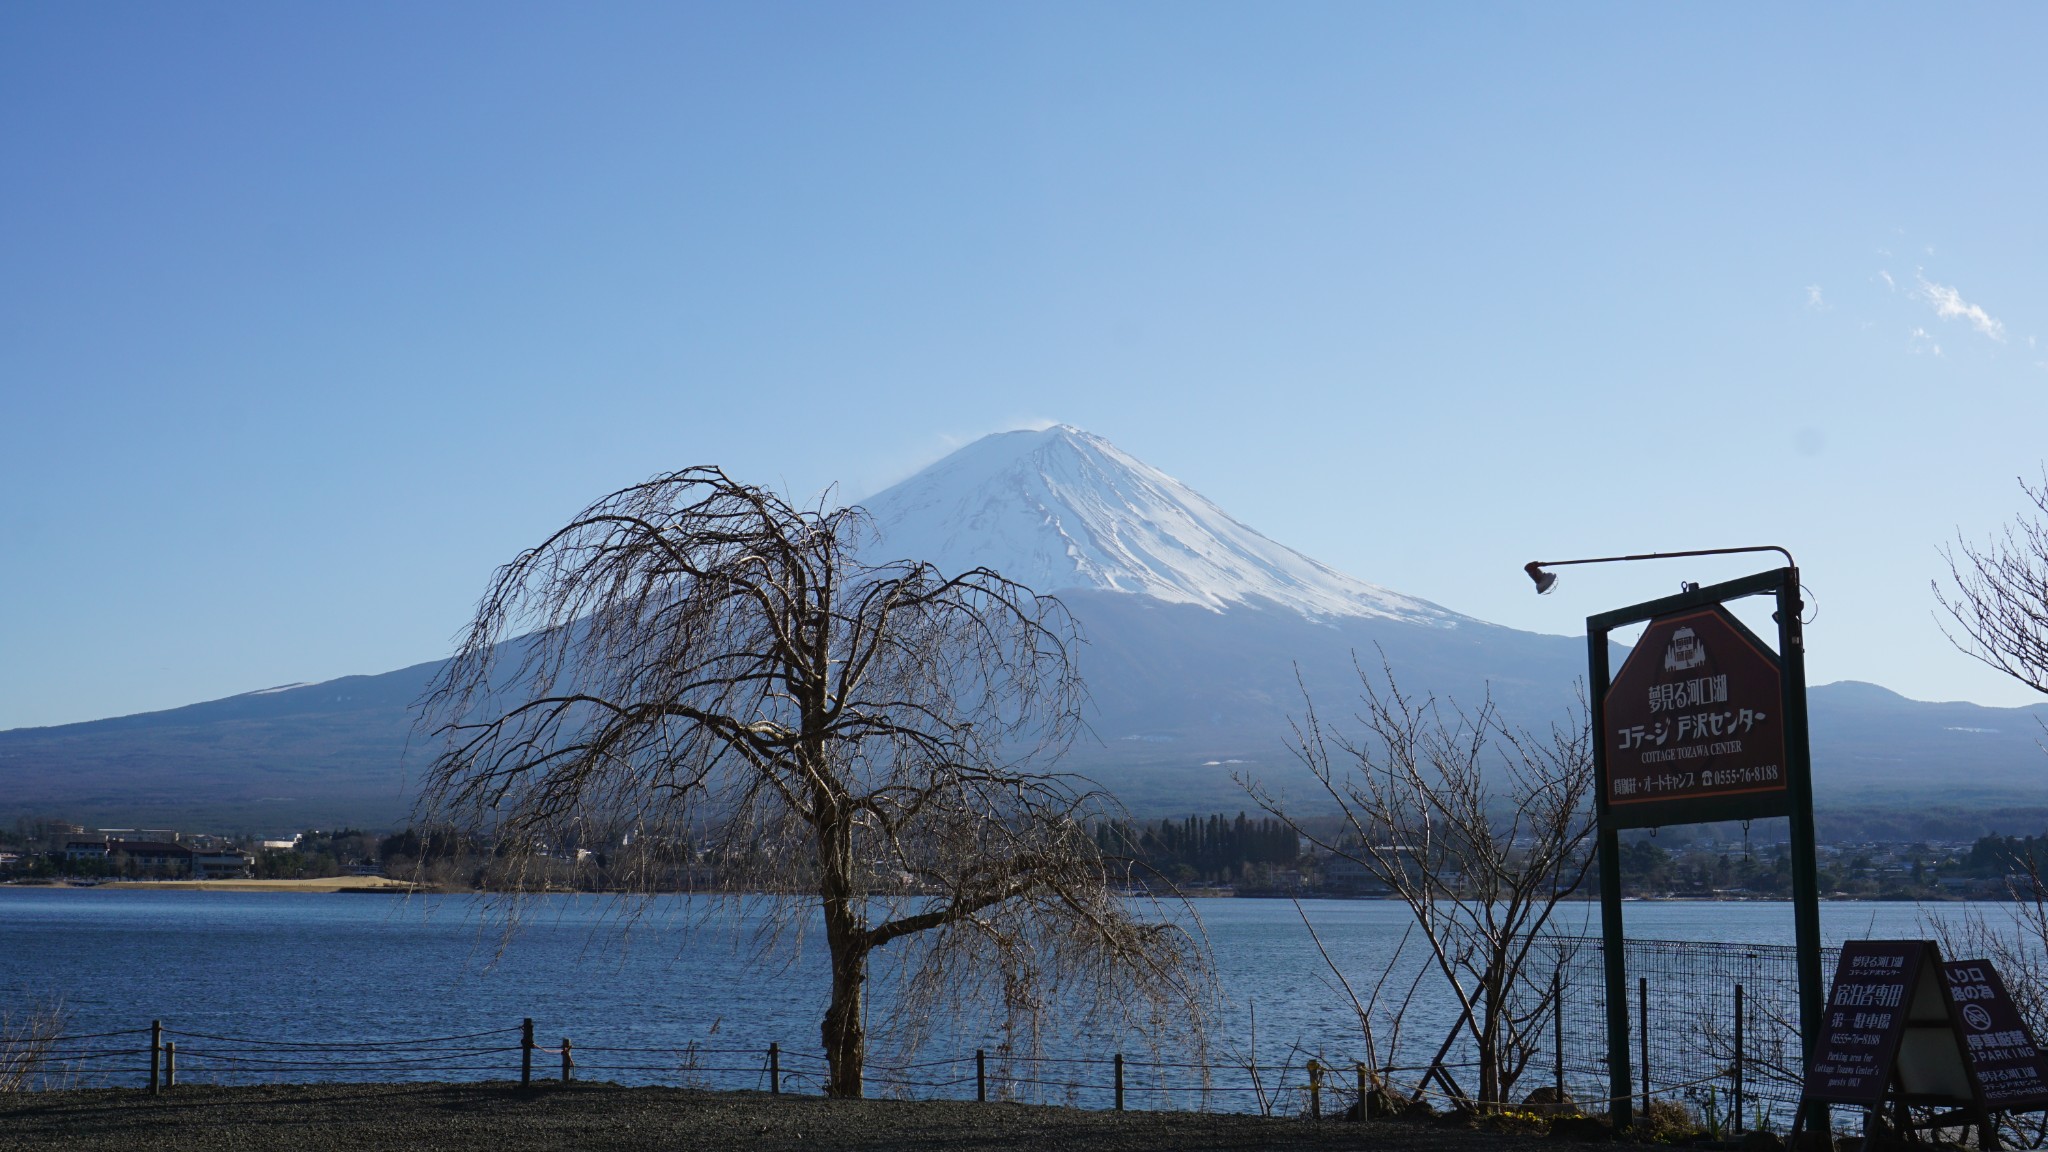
359	968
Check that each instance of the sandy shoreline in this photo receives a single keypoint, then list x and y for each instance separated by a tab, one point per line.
324	884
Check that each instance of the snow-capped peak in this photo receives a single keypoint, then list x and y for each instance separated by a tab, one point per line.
1060	508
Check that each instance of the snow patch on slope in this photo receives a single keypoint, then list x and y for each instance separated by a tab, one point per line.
1059	508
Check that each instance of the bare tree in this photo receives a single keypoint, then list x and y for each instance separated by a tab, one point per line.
697	663
1481	829
1999	605
2000	598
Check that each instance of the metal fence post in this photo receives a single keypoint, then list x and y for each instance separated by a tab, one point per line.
156	1050
1557	1031
1738	1058
1364	1093
1643	1018
1119	1081
775	1068
170	1065
526	1053
980	1076
568	1064
1315	1089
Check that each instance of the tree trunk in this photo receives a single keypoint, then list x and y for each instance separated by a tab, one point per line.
846	938
845	1038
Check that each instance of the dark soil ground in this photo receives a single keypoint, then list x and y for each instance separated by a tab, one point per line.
599	1117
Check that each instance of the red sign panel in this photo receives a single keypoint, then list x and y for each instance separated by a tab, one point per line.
1694	714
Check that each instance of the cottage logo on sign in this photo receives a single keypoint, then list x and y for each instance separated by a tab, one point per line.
1685	652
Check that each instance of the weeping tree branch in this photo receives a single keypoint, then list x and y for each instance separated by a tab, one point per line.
707	678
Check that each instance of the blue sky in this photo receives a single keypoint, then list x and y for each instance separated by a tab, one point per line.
312	314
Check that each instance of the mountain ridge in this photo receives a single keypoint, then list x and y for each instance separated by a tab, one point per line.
1205	640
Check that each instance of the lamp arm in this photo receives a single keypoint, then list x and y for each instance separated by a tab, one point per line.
1532	565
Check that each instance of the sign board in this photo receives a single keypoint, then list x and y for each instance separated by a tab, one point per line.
2008	1065
1694	725
1902	1025
1875	988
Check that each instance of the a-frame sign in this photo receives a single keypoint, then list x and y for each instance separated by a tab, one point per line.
2011	1069
1702	722
1903	1028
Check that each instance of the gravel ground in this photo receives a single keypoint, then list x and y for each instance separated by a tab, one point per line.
503	1118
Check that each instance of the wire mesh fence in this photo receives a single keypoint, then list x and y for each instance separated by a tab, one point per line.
1721	1037
1723	1025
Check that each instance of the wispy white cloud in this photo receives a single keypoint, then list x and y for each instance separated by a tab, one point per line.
1950	305
1888	283
1814	298
1922	341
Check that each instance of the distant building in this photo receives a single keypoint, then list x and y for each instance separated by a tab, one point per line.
1343	874
222	864
150	857
77	851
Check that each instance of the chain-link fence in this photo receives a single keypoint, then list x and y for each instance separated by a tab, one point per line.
1722	1029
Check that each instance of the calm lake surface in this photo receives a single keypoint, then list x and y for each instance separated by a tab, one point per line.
321	966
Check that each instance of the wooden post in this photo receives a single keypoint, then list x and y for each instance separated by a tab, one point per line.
1315	1089
1119	1081
170	1065
1738	1058
1643	1017
1557	1033
980	1076
775	1068
156	1050
1364	1093
568	1063
526	1053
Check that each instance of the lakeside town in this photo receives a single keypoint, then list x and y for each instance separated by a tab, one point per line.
1216	855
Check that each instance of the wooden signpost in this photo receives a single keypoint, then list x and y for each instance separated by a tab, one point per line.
1702	722
1904	1029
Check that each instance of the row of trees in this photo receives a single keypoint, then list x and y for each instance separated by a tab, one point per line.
1214	849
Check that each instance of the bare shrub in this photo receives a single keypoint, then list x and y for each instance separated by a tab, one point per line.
1481	830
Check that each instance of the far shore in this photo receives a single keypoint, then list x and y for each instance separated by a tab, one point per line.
321	884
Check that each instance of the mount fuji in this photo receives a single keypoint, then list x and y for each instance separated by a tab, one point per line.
1202	634
1202	637
1061	509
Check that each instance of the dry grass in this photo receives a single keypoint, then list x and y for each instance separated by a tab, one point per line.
26	1038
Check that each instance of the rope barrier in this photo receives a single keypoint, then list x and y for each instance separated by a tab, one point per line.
70	1059
398	1043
